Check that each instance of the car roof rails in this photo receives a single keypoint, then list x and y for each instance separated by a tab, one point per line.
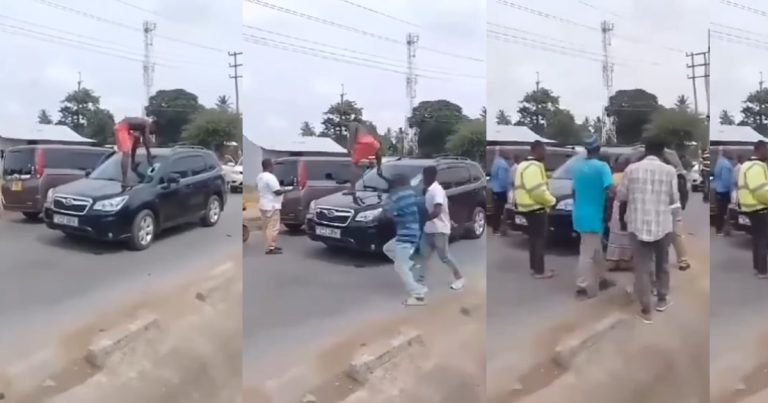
451	157
188	147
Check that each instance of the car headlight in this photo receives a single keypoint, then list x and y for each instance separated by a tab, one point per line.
312	207
566	205
113	204
49	197
368	215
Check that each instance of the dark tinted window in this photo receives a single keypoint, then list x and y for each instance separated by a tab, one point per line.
329	170
372	181
85	160
19	162
453	176
476	173
112	170
287	172
188	166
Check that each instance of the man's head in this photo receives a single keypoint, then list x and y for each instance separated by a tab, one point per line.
761	150
741	158
266	165
517	158
400	181
430	175
538	150
592	145
655	146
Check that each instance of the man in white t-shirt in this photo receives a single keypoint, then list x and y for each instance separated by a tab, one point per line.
270	203
437	230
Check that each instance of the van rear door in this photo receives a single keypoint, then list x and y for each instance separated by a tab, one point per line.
19	185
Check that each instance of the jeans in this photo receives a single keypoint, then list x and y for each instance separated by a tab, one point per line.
496	220
402	257
759	225
537	230
723	199
651	265
430	243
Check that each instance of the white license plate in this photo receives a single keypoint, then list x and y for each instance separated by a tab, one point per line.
65	220
743	220
520	220
329	232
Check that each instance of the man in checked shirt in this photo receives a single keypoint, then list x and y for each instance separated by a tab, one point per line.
649	200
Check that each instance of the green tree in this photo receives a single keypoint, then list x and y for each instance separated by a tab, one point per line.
469	140
213	128
75	106
223	102
484	114
754	112
597	126
677	127
726	119
632	111
307	130
535	108
336	120
435	122
502	118
682	103
389	143
44	118
172	110
100	127
561	126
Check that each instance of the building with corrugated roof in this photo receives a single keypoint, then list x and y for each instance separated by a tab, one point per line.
274	147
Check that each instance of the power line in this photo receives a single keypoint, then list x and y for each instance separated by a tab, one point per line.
603	9
746	31
544	48
379	58
140	8
569	49
353	29
391	17
738	37
744	7
748	44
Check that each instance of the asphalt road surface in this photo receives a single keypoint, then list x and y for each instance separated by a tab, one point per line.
48	280
520	307
309	294
739	302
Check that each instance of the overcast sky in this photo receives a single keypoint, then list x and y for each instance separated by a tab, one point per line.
740	53
283	89
649	45
38	74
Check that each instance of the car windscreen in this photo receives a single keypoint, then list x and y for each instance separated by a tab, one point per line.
371	179
565	171
112	169
19	162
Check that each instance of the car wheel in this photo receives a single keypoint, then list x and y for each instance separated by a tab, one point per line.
212	211
31	215
246	233
478	224
293	227
143	230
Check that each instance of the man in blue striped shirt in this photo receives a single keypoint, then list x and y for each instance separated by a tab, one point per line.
404	208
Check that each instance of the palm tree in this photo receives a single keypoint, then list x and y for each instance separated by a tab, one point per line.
223	103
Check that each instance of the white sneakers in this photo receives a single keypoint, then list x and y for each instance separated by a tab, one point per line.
458	284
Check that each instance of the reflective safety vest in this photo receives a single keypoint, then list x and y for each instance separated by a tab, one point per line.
531	187
753	186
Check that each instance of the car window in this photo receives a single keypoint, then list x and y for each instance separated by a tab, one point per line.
85	160
372	181
287	172
318	170
187	166
453	176
112	169
476	174
19	162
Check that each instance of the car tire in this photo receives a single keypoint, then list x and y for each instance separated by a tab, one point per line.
212	213
143	231
294	228
246	233
31	215
476	228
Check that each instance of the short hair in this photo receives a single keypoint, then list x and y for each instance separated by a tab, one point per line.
266	163
537	145
430	170
760	145
400	180
655	145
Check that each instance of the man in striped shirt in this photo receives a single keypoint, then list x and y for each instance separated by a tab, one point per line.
404	207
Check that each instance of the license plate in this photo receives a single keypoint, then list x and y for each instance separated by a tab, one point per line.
16	186
743	220
65	220
329	232
520	220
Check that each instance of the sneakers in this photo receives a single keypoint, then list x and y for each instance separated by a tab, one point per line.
415	301
645	317
458	284
762	276
683	266
605	284
541	276
274	251
663	304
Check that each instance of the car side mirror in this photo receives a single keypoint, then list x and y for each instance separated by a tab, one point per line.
173	179
88	172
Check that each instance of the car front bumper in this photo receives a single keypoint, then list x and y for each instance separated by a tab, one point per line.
108	227
368	237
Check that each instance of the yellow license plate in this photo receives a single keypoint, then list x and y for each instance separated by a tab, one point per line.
16	186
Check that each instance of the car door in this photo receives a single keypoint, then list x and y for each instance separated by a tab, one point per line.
174	202
454	179
201	183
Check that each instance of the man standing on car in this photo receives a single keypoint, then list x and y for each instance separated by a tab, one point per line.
533	202
437	230
753	202
649	199
500	188
129	133
270	203
723	182
403	205
592	183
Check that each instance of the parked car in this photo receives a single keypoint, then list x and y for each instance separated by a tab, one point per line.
313	178
697	182
233	173
181	185
358	220
30	171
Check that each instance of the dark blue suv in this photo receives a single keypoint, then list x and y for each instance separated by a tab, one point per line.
181	184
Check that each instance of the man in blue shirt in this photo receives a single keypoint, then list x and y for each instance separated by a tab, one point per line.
500	188
723	183
404	206
592	183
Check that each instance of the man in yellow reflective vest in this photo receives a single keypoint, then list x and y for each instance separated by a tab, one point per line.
533	201
753	202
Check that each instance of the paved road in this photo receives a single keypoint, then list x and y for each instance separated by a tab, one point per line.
520	308
310	294
739	303
45	277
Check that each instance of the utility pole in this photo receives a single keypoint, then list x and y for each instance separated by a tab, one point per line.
537	99
149	64
761	81
79	105
341	112
411	79
608	130
235	66
694	76
80	80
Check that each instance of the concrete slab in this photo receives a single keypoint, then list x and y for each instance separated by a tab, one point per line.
573	344
117	338
374	356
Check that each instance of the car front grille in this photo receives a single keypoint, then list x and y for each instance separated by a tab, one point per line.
71	204
333	216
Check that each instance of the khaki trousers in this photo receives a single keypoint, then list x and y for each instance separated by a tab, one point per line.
592	266
271	222
678	241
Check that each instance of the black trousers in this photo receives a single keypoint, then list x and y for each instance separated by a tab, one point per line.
759	222
499	203
723	200
538	228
